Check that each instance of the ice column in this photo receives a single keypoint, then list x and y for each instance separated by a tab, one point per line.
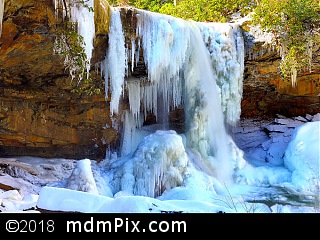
115	65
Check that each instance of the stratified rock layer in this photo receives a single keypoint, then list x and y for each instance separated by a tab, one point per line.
266	94
39	115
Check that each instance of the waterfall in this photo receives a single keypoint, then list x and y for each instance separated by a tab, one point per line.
195	65
205	121
226	47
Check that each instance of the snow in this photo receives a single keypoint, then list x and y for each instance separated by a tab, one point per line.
131	184
302	158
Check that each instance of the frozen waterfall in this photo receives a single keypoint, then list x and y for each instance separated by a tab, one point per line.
195	65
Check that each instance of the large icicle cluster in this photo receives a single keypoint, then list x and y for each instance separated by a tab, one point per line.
115	63
164	43
197	65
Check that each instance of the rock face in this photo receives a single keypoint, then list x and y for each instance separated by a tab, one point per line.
267	140
266	94
40	116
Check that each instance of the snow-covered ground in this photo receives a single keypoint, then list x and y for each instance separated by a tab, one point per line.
277	171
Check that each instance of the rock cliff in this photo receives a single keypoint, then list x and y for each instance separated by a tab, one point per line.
265	93
41	116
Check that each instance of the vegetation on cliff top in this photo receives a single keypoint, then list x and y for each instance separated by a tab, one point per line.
295	25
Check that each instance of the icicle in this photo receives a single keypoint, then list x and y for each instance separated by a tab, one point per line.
59	5
130	137
294	76
84	18
137	53
133	52
293	73
105	74
117	60
149	99
126	62
309	53
56	8
86	28
1	14
283	51
133	87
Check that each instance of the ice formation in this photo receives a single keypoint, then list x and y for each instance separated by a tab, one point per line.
225	44
81	178
114	65
197	66
1	14
83	16
302	157
157	165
